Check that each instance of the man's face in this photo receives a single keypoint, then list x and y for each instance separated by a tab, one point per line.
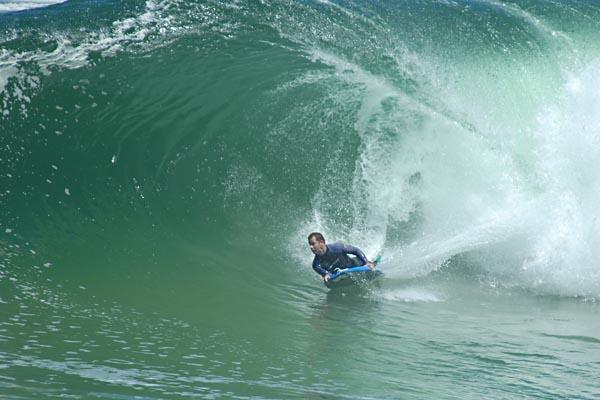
317	247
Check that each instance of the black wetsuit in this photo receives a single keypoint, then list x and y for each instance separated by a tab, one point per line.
336	256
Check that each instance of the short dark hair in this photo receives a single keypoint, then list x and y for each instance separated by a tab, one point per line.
316	235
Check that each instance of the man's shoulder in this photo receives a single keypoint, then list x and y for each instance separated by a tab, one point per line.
336	247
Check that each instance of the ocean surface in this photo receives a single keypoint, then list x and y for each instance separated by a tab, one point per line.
162	163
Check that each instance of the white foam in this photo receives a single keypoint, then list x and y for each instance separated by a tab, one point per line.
7	70
410	295
565	254
544	237
73	53
13	6
159	23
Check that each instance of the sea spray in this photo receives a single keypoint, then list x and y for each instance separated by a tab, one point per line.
162	163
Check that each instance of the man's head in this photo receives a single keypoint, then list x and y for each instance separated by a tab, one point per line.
316	241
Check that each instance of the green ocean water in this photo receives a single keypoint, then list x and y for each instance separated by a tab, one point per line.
162	162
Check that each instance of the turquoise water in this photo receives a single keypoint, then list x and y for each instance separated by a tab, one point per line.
162	163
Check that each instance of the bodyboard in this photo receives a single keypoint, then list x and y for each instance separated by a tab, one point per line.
353	275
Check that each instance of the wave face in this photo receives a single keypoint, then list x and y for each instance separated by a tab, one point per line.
367	122
161	164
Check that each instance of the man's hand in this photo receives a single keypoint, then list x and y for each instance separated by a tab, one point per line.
371	265
326	278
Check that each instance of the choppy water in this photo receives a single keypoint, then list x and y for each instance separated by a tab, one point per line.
162	162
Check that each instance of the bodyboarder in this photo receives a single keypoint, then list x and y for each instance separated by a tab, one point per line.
331	257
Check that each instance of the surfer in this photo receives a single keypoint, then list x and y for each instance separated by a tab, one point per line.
329	257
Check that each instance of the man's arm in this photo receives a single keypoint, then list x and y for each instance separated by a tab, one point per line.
349	249
320	270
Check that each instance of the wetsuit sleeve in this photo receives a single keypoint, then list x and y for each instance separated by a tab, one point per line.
317	267
349	249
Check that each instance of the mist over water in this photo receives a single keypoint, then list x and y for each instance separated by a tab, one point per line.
162	163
